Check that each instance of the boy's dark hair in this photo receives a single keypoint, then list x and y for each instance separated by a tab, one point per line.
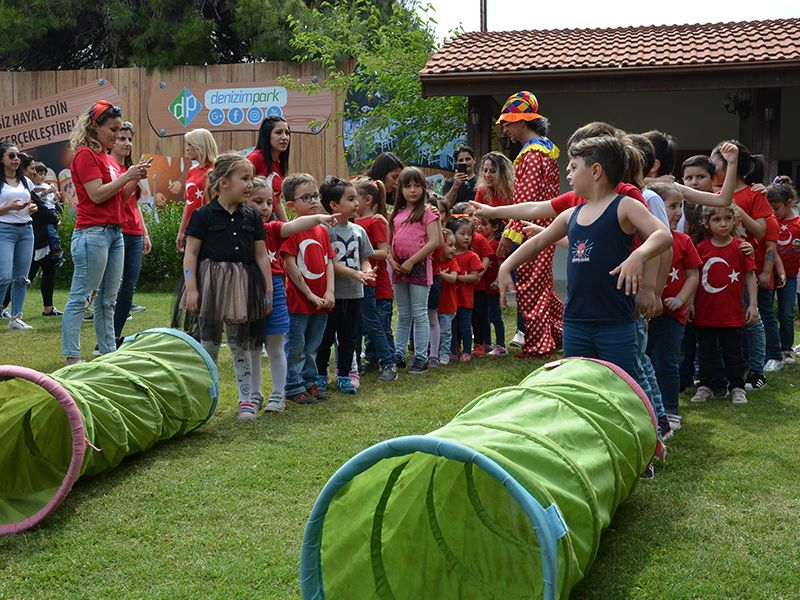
461	149
665	147
292	182
332	190
605	150
645	146
750	166
699	161
782	190
593	129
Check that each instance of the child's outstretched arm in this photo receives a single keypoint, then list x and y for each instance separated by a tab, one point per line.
731	155
526	211
193	246
262	260
528	251
634	216
307	222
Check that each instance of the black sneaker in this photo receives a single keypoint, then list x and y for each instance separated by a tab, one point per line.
400	361
370	366
418	366
719	392
755	381
664	428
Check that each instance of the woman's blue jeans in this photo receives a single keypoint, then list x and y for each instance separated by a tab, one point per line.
98	254
16	253
134	244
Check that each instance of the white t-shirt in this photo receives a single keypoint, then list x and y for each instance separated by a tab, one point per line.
49	200
9	194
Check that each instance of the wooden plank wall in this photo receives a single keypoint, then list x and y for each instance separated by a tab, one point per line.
321	154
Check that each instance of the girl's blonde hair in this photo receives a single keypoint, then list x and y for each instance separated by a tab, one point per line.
366	186
503	178
409	175
204	144
225	166
260	183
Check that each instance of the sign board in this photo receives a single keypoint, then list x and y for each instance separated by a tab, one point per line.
49	120
175	108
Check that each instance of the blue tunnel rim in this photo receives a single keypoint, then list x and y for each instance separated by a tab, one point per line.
210	364
548	523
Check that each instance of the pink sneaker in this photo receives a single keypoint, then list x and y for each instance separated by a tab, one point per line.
355	379
466	357
498	351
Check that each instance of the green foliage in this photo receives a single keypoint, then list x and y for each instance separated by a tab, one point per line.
388	50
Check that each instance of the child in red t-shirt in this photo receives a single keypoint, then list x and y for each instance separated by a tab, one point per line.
308	261
480	311
492	229
666	331
448	302
262	200
470	267
376	306
782	197
717	312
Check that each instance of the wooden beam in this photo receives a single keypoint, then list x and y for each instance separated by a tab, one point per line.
767	128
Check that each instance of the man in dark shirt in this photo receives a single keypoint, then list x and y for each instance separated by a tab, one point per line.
462	186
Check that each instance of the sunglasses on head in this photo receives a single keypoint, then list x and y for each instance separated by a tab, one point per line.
102	108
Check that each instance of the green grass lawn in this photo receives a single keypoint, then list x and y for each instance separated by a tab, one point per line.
221	513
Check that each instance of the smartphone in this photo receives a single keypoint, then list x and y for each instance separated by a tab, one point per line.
461	168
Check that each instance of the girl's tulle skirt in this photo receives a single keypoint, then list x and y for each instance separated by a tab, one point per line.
231	297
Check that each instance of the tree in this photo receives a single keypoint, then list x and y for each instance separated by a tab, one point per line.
377	53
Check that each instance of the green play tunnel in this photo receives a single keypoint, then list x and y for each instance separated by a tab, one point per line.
84	419
507	501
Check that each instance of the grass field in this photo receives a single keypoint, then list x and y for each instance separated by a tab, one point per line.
221	513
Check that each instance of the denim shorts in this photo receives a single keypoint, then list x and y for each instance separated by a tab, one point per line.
278	319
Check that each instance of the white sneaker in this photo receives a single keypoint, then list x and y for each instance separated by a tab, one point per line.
702	394
518	340
675	421
276	403
6	314
738	396
789	358
18	323
773	366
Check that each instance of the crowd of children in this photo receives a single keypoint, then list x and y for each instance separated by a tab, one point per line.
674	283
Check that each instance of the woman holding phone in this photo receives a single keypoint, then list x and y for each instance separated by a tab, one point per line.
16	232
97	245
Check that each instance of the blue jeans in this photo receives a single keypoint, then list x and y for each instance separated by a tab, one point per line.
664	348
134	244
462	331
766	310
496	319
300	347
412	310
16	253
385	310
786	299
756	342
372	329
98	254
647	375
614	343
446	327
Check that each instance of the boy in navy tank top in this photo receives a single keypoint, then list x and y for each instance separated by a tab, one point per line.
604	272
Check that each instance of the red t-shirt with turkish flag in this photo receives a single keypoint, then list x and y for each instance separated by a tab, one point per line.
480	246
448	301
274	241
194	192
722	283
789	245
569	200
313	251
260	166
377	233
493	269
684	257
132	225
88	165
771	235
468	262
483	198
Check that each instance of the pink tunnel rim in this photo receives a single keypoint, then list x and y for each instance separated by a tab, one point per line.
63	397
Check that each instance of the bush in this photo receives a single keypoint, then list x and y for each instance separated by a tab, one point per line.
160	269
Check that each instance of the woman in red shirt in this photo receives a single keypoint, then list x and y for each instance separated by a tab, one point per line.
202	149
271	157
134	234
97	247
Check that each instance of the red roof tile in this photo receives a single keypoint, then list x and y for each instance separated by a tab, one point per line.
663	46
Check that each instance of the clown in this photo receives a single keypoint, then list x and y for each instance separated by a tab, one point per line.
536	179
